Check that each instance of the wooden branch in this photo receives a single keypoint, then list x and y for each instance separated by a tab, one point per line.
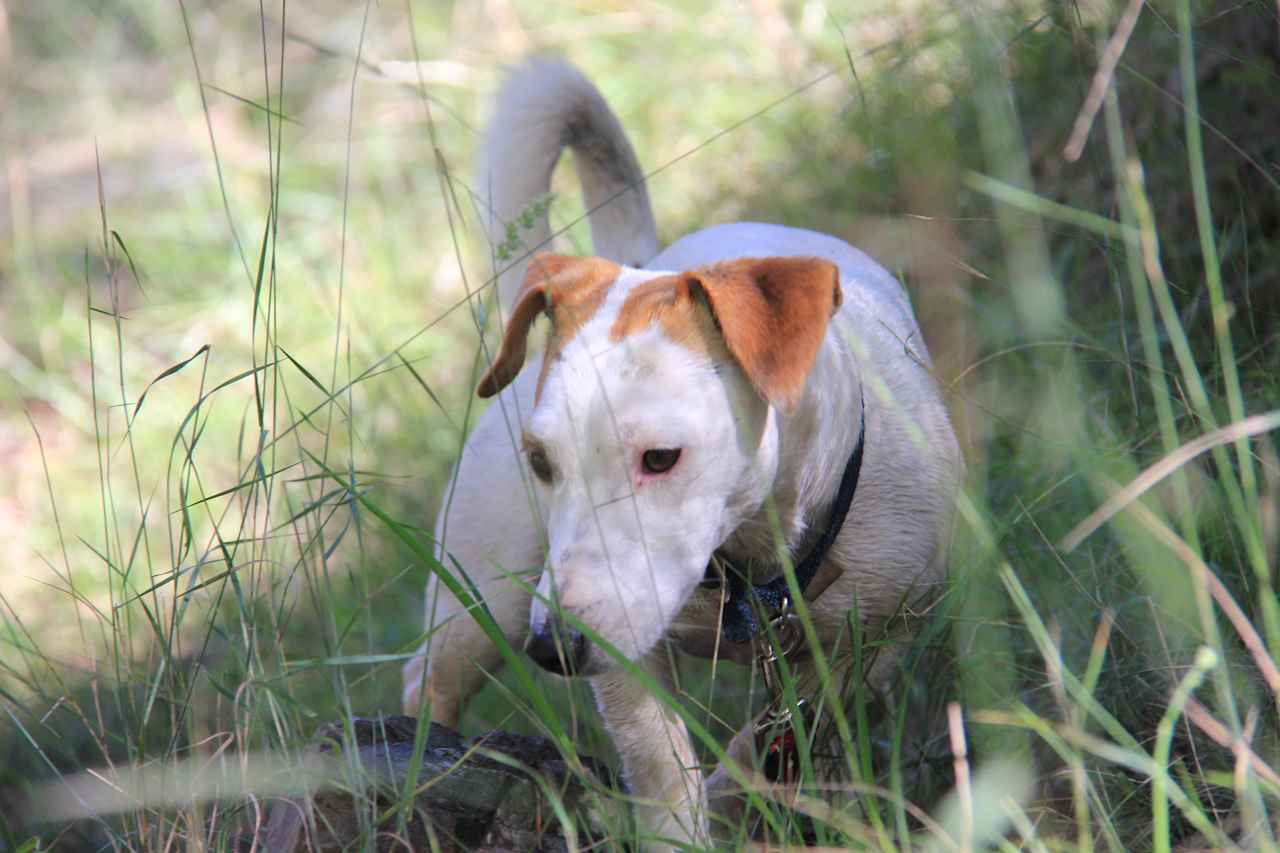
492	792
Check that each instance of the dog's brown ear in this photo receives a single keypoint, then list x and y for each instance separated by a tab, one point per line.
568	289
773	314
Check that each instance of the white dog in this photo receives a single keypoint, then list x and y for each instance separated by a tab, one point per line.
714	398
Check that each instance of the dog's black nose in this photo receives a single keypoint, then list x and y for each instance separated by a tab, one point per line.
558	648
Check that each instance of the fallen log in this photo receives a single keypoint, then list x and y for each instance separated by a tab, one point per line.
494	792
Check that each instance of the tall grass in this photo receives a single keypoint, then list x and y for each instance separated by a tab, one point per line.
240	324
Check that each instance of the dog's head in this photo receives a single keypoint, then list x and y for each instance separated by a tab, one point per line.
654	434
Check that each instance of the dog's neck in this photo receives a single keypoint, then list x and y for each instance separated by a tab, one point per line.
813	444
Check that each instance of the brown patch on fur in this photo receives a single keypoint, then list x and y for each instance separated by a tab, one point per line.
772	314
570	290
674	302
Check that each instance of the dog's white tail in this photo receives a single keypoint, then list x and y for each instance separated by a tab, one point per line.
543	108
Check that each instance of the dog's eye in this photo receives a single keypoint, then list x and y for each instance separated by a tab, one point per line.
660	459
540	465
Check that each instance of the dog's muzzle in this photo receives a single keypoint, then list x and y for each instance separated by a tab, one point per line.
557	647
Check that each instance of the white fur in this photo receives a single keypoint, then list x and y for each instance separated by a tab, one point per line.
624	550
543	108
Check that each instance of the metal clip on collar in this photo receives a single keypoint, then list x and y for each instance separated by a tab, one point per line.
775	733
787	636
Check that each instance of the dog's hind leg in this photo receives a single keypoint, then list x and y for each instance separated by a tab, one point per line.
489	540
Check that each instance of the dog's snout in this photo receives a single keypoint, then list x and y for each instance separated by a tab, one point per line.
557	647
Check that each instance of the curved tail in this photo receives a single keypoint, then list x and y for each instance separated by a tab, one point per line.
543	108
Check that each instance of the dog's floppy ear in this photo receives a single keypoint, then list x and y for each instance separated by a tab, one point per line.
773	314
568	289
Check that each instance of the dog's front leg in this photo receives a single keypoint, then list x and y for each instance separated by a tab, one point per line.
487	529
658	760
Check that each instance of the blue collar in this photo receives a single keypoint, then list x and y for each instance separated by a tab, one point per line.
740	622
